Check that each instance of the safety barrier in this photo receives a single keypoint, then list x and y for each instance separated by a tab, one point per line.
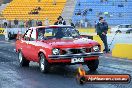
88	30
122	51
1	31
97	38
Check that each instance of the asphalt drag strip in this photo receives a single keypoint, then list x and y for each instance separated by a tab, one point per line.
14	76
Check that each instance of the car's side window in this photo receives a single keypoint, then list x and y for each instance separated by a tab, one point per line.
27	35
33	35
41	32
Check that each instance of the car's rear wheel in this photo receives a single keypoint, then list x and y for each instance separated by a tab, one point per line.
93	64
22	61
43	64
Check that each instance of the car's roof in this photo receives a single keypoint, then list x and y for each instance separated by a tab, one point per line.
50	26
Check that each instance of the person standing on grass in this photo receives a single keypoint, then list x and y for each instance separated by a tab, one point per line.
102	28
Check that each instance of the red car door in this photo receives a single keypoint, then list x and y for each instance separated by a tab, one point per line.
25	42
31	46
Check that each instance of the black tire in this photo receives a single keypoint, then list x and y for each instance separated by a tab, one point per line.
93	64
22	61
118	31
43	64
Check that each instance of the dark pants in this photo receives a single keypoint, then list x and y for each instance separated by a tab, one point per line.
104	39
5	24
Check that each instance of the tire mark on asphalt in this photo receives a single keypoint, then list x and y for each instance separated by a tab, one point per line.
7	56
8	50
119	70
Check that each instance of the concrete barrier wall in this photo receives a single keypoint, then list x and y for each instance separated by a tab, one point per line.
122	51
88	30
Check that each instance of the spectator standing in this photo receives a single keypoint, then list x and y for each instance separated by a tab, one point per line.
33	22
29	23
46	22
102	28
5	23
39	23
9	24
56	23
60	21
16	23
21	23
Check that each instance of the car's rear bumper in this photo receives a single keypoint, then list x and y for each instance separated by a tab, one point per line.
84	55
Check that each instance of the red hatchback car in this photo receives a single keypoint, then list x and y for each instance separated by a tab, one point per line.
57	45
